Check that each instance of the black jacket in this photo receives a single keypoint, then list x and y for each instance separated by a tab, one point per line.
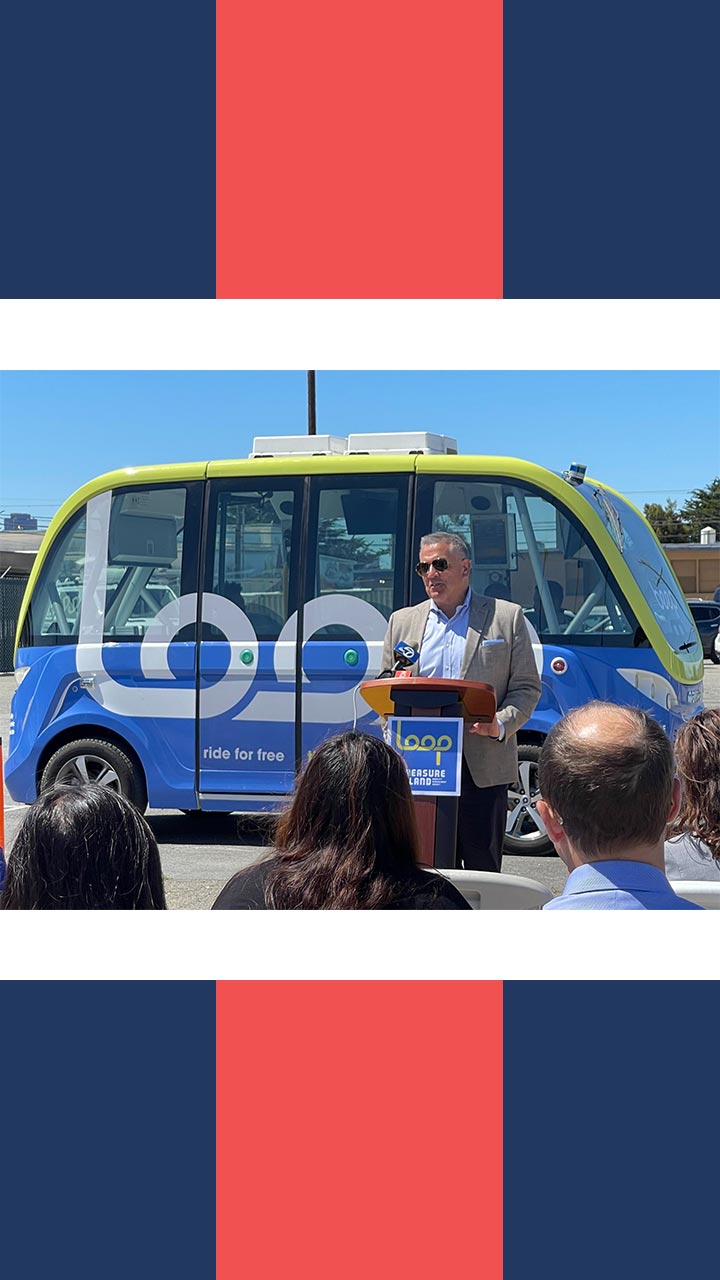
246	892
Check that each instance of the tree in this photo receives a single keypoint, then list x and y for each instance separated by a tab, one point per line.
702	508
669	523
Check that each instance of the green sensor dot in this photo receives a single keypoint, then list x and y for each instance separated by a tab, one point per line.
247	657
351	657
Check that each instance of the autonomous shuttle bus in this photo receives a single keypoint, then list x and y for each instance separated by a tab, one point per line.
190	632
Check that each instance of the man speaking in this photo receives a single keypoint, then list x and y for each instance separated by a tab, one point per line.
462	635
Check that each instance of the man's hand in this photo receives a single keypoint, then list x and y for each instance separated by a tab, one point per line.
489	730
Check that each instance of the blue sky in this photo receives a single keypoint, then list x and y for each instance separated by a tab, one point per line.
651	435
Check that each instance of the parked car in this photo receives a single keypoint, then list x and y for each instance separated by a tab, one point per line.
707	621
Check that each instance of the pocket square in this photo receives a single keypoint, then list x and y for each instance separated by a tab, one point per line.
499	641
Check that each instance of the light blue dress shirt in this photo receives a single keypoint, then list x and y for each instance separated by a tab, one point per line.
618	886
443	643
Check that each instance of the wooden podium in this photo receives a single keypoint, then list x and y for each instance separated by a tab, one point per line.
409	696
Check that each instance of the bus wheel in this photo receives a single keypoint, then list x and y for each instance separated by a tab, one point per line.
524	832
93	760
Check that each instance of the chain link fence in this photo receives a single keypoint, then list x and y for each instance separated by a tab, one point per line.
12	591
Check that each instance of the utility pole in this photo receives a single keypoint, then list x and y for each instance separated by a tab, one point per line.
312	414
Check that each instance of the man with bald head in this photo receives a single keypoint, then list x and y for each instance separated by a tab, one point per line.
609	789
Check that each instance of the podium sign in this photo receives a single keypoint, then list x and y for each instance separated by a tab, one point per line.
432	751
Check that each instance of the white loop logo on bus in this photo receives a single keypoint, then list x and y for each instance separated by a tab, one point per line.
319	706
273	704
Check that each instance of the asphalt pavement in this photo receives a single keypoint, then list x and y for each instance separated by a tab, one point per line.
200	852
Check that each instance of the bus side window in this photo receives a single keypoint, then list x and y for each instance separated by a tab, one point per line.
357	533
54	614
526	547
252	538
144	559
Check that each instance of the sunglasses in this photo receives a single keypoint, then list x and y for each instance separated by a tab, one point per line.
440	564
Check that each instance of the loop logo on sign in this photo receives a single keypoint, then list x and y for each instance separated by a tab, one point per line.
433	759
411	742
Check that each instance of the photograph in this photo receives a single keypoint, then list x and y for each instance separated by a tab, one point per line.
397	640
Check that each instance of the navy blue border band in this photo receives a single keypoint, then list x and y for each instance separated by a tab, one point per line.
107	1154
107	149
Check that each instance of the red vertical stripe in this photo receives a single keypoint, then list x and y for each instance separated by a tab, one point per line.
359	1130
359	149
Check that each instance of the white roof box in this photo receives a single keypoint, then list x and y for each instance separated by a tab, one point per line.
401	442
291	446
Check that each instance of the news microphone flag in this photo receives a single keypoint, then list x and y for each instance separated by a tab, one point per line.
267	1130
185	149
405	655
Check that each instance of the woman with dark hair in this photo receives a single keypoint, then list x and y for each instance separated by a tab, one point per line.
692	850
347	842
83	848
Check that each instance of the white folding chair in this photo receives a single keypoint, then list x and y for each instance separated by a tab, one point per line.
492	891
706	893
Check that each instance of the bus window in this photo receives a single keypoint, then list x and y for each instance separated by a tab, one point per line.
252	552
54	613
528	549
358	539
144	559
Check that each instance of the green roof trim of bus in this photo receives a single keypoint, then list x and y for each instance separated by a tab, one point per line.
684	670
309	464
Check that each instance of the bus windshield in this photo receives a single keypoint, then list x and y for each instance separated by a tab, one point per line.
646	562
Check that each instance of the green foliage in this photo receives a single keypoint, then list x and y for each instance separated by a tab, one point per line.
333	540
667	521
700	509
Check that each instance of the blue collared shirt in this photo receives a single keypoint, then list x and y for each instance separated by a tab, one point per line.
443	643
618	886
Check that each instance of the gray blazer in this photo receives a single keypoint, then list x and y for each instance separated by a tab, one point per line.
509	667
687	858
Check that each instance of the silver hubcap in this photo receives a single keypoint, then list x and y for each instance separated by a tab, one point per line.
523	820
83	769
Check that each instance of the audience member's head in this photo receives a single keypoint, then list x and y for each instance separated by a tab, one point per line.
697	754
83	848
608	785
349	838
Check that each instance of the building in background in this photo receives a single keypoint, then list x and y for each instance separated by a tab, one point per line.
20	521
18	549
697	564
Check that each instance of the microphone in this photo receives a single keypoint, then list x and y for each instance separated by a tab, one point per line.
405	657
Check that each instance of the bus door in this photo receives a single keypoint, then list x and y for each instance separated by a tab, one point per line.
247	703
356	575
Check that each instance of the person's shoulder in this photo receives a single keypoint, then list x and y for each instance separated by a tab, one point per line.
246	890
689	843
410	611
502	610
430	891
689	858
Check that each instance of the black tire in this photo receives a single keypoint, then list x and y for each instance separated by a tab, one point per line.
94	760
527	837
